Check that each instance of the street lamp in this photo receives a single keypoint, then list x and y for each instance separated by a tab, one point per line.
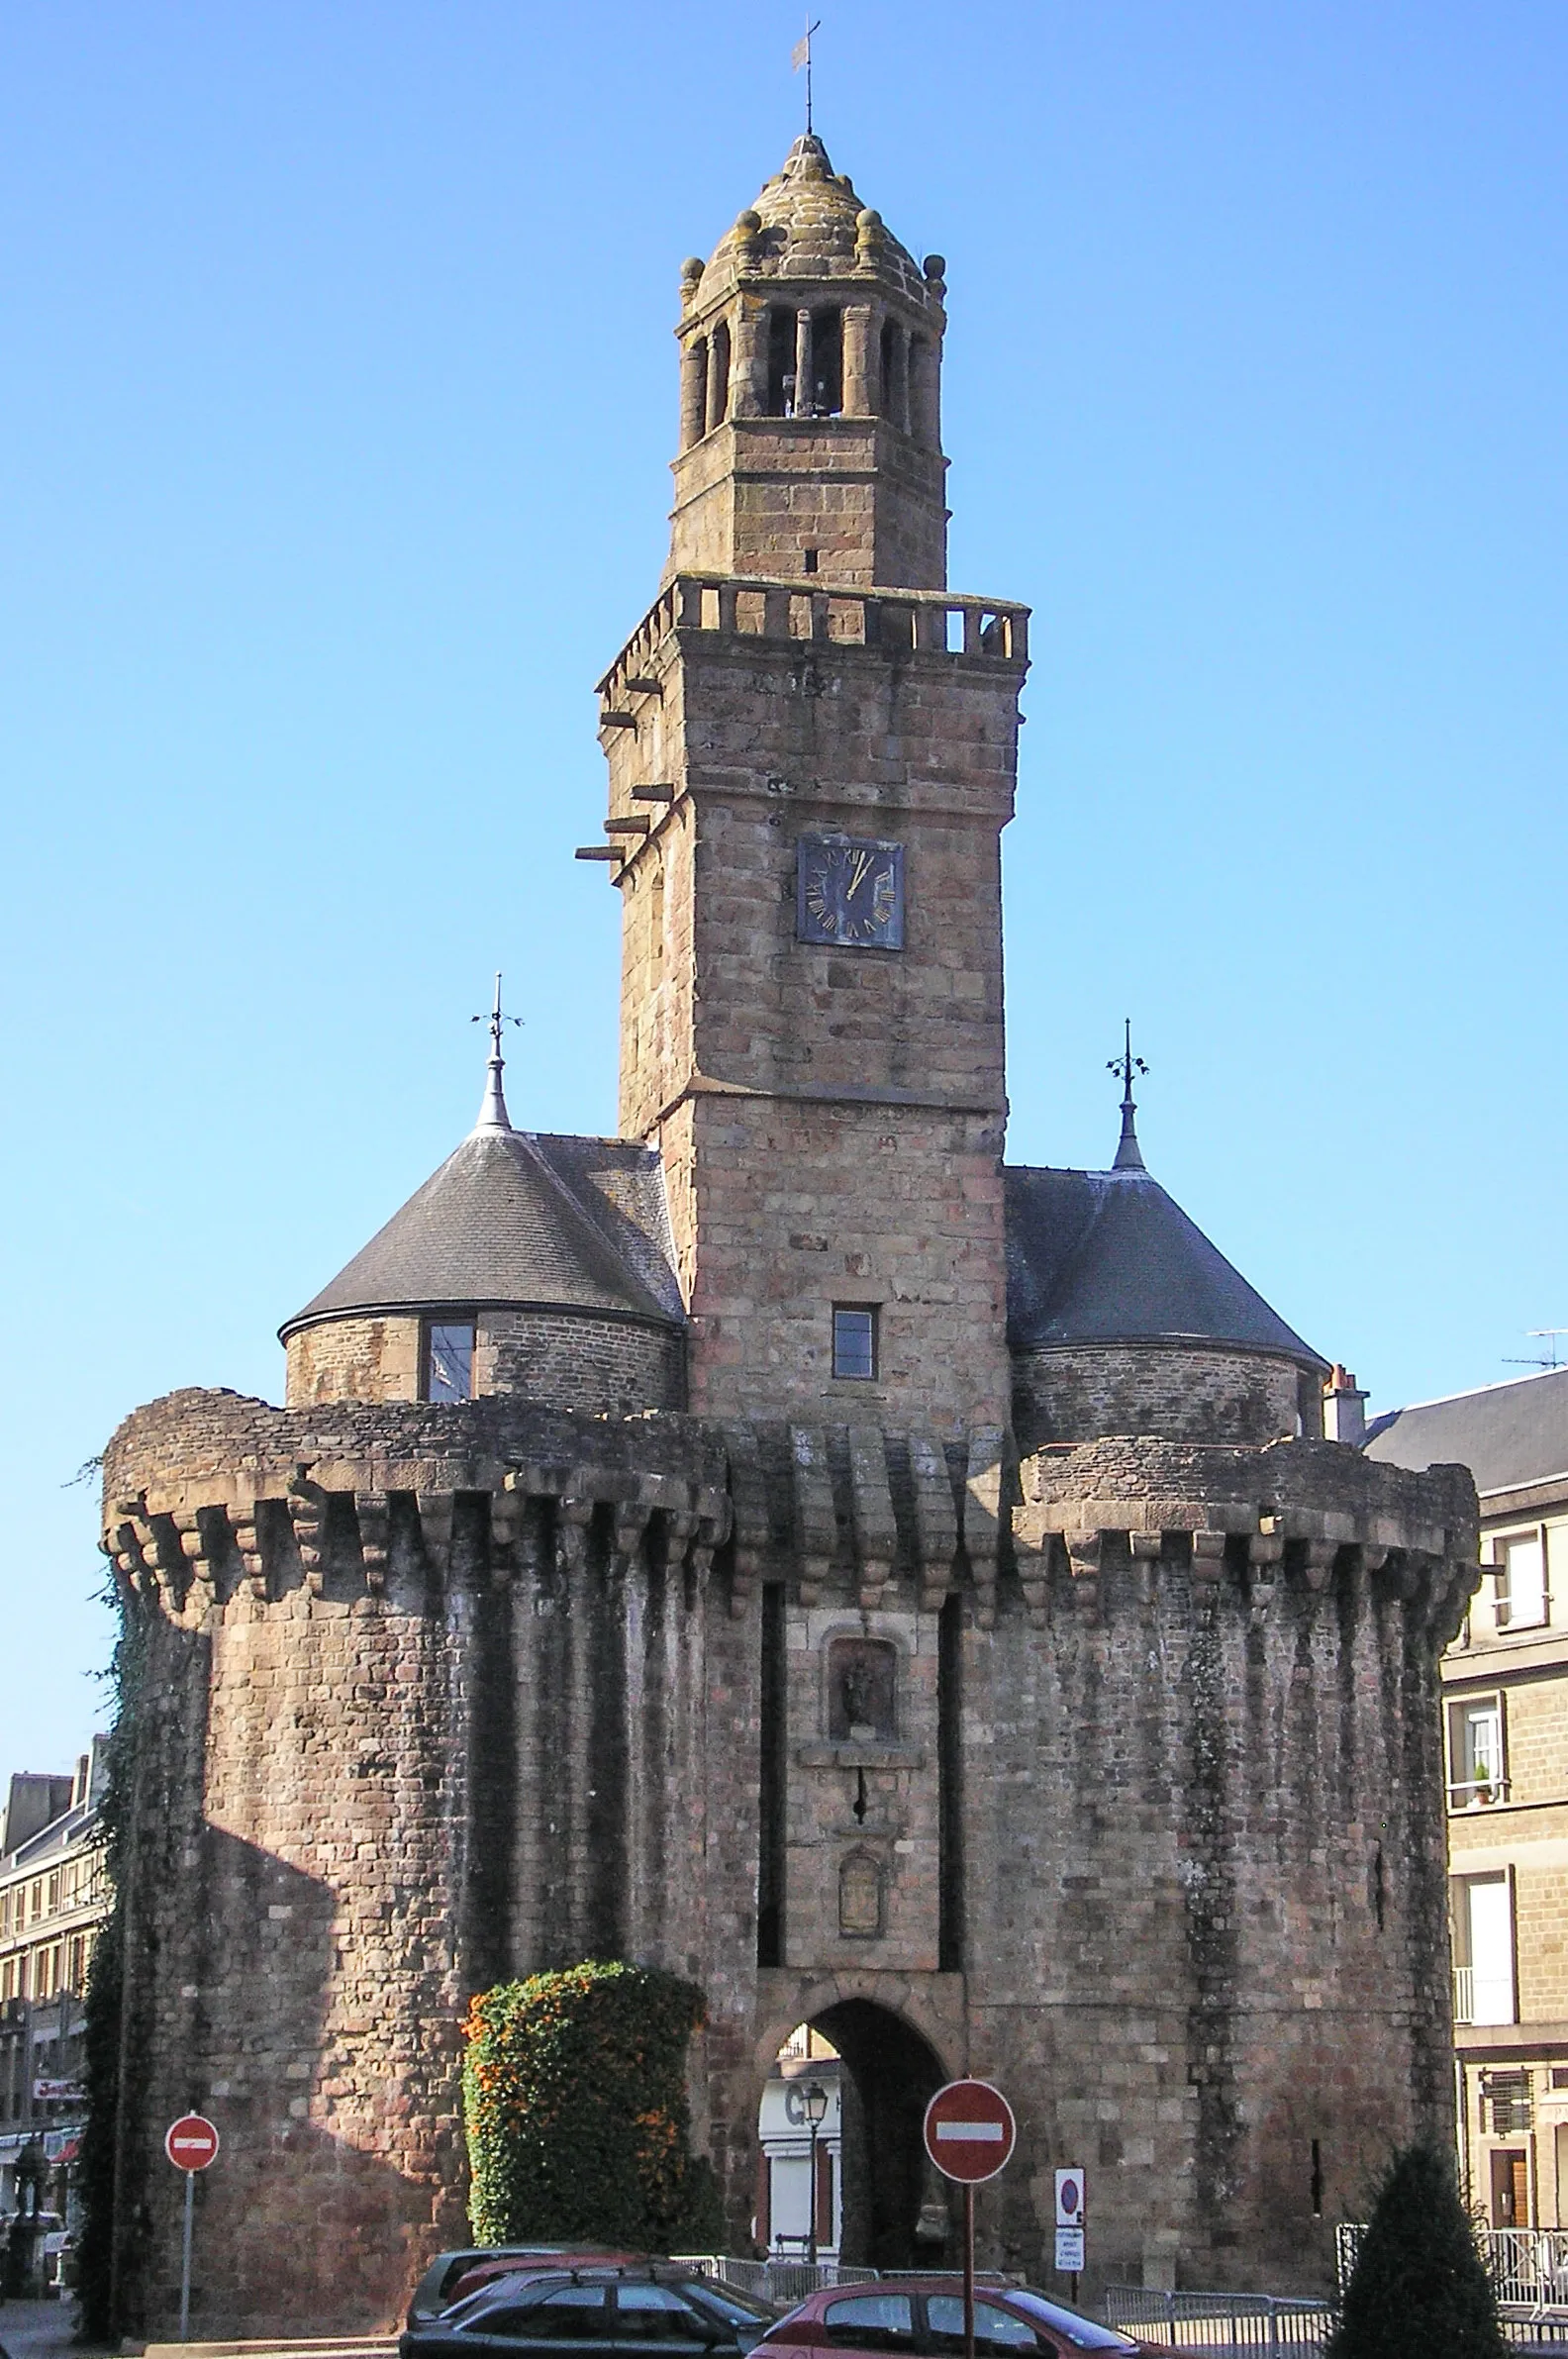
813	2104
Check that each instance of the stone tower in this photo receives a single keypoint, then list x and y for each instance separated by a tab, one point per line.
902	1593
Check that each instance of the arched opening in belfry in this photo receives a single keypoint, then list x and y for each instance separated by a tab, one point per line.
842	2171
780	361
826	391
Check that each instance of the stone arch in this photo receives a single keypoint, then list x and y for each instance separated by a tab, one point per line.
892	2066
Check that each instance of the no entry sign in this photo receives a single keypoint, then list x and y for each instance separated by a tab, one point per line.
970	2132
191	2143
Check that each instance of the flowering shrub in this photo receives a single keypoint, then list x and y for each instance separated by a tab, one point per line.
574	2096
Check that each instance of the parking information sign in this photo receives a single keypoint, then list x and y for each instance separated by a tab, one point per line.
1070	2221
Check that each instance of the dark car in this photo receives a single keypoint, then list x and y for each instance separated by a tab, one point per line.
922	2317
592	2313
454	2275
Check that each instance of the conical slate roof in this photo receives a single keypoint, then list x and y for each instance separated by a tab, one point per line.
808	223
519	1219
1109	1257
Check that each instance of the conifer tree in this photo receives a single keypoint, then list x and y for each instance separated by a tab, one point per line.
1420	2285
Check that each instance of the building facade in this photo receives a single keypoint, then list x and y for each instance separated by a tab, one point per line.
53	1898
909	1595
1506	1728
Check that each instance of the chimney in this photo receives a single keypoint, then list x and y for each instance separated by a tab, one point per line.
1344	1409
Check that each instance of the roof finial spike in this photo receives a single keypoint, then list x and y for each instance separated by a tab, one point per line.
801	55
493	1114
1128	1156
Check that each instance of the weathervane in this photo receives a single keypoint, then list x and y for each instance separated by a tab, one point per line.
801	55
493	1114
1128	1156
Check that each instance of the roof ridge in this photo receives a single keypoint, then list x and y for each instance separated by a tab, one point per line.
1473	1392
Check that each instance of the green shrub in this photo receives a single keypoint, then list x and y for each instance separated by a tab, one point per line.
574	2096
1420	2285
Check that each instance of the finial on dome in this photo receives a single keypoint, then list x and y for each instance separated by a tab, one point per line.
493	1114
801	55
1128	1156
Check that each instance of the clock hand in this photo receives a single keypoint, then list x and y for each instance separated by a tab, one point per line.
860	865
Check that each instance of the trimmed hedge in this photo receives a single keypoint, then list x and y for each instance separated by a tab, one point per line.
1420	2286
574	2097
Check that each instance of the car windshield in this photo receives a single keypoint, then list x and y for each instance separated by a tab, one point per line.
1083	2333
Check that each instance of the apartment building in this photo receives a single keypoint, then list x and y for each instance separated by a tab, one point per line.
54	1897
1506	1705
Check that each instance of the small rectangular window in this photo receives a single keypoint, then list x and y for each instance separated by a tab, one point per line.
1520	1563
854	1344
1477	1776
448	1361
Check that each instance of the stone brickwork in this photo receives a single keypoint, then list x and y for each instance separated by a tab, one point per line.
1175	1393
564	1359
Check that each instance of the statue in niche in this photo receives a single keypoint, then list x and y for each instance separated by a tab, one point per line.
862	1691
860	1894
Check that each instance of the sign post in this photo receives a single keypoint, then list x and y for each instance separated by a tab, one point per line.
970	2134
1070	2204
190	2144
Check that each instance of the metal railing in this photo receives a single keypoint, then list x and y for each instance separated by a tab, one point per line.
1221	2322
1464	1994
1528	2269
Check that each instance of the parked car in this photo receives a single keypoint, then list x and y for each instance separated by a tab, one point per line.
454	2275
924	2315
595	2312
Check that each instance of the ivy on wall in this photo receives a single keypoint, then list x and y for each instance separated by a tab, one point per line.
574	2097
104	2042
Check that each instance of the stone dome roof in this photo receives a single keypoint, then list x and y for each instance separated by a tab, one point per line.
808	223
1109	1257
514	1220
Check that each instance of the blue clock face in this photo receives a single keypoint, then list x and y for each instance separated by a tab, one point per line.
850	894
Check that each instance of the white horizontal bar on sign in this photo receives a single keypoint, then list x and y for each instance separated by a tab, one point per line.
974	2133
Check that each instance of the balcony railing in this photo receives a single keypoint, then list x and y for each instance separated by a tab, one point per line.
1477	1794
1464	1994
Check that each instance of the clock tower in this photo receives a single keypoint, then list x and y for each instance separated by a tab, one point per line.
811	747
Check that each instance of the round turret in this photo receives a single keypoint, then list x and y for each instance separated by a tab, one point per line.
527	1264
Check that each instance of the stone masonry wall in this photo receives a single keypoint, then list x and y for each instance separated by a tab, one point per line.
1176	1393
565	1359
446	1693
755	493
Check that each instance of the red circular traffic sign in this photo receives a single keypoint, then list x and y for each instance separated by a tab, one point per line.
191	2143
970	2132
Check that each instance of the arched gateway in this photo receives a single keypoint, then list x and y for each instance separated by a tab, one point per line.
780	1543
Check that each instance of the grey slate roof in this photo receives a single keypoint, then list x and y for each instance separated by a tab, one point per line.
520	1218
1107	1257
1507	1435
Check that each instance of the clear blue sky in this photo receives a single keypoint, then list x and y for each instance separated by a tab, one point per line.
337	390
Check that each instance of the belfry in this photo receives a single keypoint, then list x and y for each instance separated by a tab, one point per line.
907	1595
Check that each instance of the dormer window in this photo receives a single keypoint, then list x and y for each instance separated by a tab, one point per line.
448	1360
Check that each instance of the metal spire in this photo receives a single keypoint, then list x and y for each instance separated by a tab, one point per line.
493	1114
1128	1156
801	55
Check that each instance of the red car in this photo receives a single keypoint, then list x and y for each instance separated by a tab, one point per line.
923	2317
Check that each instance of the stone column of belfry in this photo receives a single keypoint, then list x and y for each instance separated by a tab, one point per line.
748	360
693	390
805	390
859	345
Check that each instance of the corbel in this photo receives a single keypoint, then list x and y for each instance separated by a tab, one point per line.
935	1518
982	1517
307	1510
436	1525
871	1499
573	1517
749	1508
1144	1548
248	1540
373	1509
815	1528
1034	1568
1207	1562
1085	1549
506	1523
1318	1563
629	1523
193	1547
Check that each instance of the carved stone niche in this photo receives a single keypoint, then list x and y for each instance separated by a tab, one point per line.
862	1691
861	1897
